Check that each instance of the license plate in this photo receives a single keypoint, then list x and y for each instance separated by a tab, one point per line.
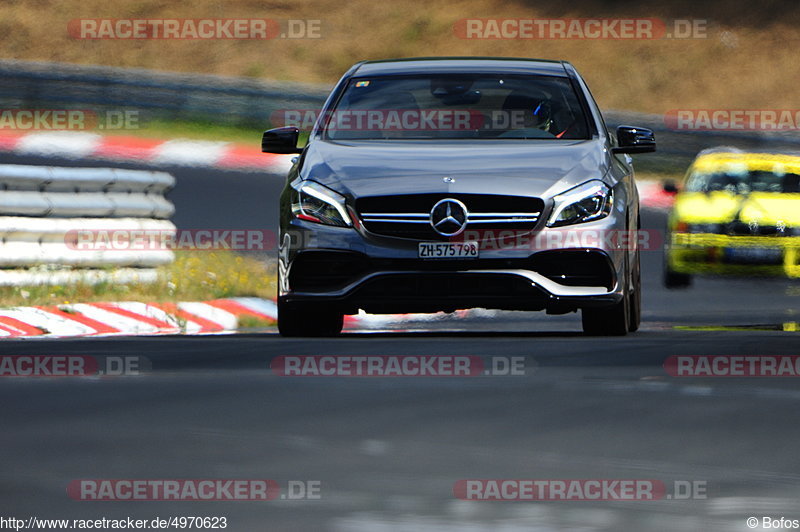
754	255
448	250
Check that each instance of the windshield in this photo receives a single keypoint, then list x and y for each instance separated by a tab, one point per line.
744	182
457	107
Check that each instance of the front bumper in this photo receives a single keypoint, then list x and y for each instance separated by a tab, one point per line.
381	275
718	254
428	291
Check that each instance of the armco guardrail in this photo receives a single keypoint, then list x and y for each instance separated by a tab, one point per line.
40	206
30	85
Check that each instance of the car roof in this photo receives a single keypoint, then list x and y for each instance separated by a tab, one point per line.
473	65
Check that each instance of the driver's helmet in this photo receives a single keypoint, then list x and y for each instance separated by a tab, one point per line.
536	112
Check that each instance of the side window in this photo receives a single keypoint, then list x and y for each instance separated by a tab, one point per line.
690	181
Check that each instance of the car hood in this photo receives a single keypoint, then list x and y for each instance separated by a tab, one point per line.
723	207
535	168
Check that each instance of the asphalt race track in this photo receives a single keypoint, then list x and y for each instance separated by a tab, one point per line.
388	451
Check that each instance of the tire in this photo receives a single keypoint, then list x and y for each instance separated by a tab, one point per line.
610	321
674	280
635	304
607	321
297	320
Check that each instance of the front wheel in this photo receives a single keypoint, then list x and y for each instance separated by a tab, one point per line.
617	319
607	321
635	309
673	279
676	280
296	319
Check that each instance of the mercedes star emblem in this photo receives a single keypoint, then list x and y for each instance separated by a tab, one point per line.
449	217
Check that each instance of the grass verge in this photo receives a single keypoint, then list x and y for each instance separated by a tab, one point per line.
203	130
194	276
197	130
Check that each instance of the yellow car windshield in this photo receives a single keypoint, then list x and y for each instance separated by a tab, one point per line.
744	182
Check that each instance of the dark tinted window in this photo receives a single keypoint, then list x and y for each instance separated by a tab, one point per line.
744	182
458	107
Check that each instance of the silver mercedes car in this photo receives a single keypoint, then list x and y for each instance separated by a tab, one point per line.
438	184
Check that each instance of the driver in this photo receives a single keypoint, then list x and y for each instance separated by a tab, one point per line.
528	112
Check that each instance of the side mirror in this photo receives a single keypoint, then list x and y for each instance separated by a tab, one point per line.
631	139
281	140
670	187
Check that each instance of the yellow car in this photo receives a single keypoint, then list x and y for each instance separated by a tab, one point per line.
736	214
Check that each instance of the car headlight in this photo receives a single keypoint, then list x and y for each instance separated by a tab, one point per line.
584	203
314	203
